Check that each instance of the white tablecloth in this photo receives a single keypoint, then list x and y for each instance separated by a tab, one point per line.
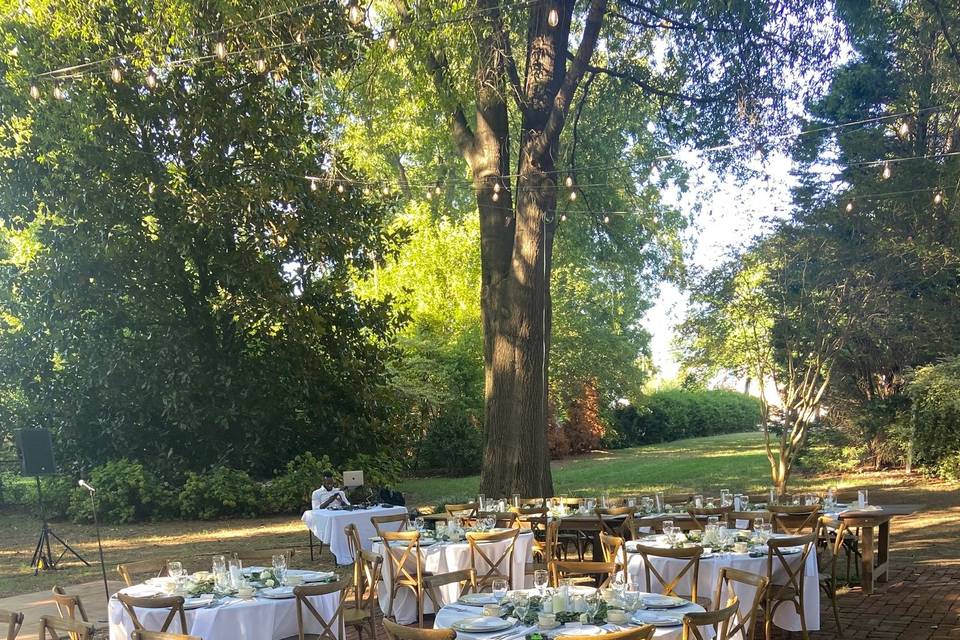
444	557
235	619
449	615
328	524
786	616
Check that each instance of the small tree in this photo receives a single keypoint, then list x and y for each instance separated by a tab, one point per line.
584	428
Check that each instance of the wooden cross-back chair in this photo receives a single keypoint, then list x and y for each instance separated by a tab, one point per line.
331	629
747	516
792	577
354	544
487	563
733	583
173	603
399	632
401	520
719	620
503	519
830	544
129	571
466	510
601	572
622	529
367	568
795	519
638	633
52	628
700	516
614	550
161	635
669	584
68	606
12	620
545	548
466	578
404	564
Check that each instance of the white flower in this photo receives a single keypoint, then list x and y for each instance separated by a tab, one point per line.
269	582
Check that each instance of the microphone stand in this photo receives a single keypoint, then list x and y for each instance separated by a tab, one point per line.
96	524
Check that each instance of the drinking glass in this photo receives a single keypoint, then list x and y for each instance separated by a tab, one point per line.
235	568
713	520
744	503
698	501
480	500
631	597
441	529
603	501
500	587
219	563
724	497
593	605
667	526
659	501
863	498
830	500
757	523
175	569
516	500
540	580
773	496
591	504
766	531
221	578
631	502
521	605
280	568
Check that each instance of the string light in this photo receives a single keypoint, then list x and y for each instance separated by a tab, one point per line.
354	12
261	65
392	43
34	92
849	207
340	188
886	171
563	217
313	185
220	50
496	187
436	189
606	219
553	18
429	194
568	181
366	191
116	75
385	190
904	129
573	196
151	79
938	197
58	93
495	197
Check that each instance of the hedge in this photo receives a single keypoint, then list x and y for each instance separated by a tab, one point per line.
676	414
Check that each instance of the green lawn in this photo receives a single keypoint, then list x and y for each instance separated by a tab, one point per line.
734	461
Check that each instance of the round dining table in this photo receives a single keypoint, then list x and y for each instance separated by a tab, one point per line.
454	612
228	618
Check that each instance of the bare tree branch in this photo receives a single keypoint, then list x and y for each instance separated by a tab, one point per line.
946	30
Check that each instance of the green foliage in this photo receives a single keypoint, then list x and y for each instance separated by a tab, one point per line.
290	490
935	392
453	443
126	492
220	492
675	414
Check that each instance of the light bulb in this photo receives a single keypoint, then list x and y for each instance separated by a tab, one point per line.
220	50
849	207
354	13
886	171
904	129
58	93
385	190
429	194
34	92
606	219
568	181
553	18
563	217
938	197
496	187
116	75
392	43
151	79
313	185
366	191
436	189
340	188
261	65
495	197
573	196
150	188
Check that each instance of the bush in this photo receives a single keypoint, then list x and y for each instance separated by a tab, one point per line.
220	492
379	470
290	491
126	492
584	428
676	414
453	442
935	392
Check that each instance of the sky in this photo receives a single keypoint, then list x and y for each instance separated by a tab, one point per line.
731	214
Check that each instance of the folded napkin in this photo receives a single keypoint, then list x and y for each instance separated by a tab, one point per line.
741	524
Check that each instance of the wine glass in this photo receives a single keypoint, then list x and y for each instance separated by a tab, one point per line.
593	605
175	569
280	567
419	523
521	605
667	525
500	587
540	580
757	523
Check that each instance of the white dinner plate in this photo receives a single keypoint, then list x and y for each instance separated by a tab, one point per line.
198	602
580	630
656	601
481	624
477	599
658	618
277	593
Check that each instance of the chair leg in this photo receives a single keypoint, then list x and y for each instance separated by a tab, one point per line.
836	612
310	540
373	625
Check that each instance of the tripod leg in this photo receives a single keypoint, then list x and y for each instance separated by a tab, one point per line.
67	548
51	564
36	561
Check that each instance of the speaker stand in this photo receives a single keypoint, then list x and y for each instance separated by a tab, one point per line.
42	556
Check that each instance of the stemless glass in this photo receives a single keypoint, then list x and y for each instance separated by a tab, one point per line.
540	580
280	567
863	498
516	500
219	570
235	568
419	524
175	569
480	501
521	605
744	502
667	526
659	501
500	587
724	497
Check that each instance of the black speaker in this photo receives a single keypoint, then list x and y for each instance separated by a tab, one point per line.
36	452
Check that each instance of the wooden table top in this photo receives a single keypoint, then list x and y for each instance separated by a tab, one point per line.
885	511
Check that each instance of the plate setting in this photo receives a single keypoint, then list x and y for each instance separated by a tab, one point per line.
481	624
654	601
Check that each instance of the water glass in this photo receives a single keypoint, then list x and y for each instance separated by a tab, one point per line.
863	498
744	503
724	497
419	524
280	567
235	568
540	580
631	502
175	569
521	605
516	500
667	526
219	563
441	529
773	496
631	597
659	501
714	520
500	587
757	523
698	501
603	501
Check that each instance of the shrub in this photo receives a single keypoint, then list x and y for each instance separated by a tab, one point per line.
584	428
935	392
675	414
290	491
453	442
126	492
220	492
379	470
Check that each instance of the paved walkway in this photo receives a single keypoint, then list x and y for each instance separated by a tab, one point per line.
921	602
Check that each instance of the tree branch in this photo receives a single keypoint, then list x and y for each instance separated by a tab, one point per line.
946	31
650	88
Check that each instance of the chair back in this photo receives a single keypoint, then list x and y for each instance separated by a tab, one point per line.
504	520
614	550
331	629
792	572
368	568
639	633
795	519
699	517
12	620
130	570
830	535
734	583
719	620
399	632
161	635
609	525
487	563
380	523
173	603
466	578
52	628
669	584
68	606
263	557
601	572
402	557
747	517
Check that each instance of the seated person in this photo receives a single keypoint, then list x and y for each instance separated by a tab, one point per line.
329	495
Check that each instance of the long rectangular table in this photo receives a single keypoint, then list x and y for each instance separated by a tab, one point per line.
328	524
875	545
